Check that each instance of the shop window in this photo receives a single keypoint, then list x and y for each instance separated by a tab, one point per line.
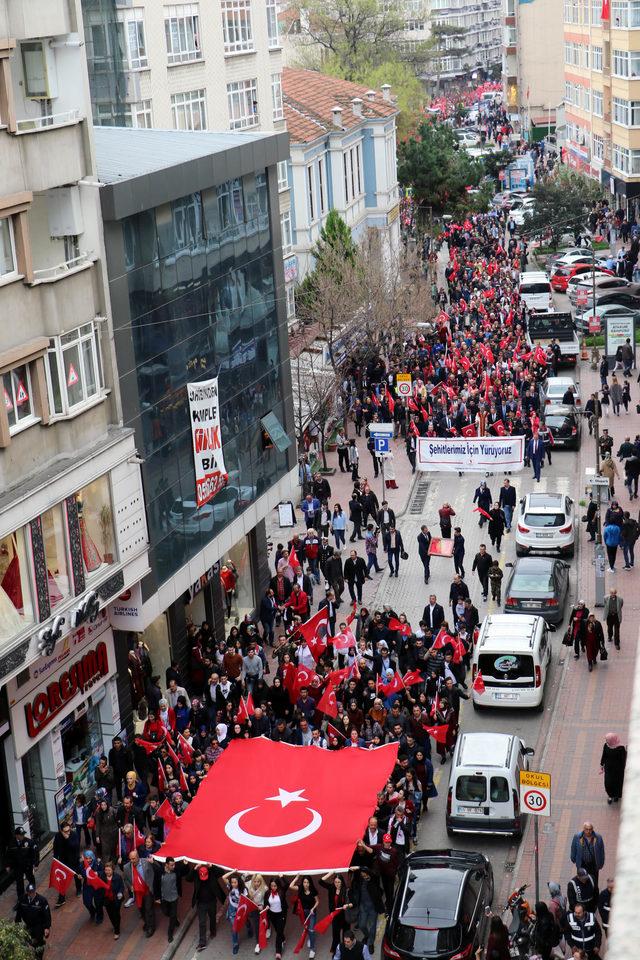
18	398
82	747
16	607
96	525
240	599
55	548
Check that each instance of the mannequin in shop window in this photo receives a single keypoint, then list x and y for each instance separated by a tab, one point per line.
90	553
11	602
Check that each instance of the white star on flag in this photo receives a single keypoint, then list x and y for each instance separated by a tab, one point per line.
285	797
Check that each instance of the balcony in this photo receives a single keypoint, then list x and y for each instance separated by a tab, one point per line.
31	124
52	156
60	246
39	18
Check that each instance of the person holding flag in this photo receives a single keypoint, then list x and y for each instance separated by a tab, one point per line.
306	907
483	498
235	890
138	875
113	896
66	852
339	901
94	886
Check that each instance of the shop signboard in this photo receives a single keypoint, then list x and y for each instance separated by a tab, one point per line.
208	458
125	613
619	330
290	269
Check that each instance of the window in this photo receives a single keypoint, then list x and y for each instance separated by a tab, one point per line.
74	369
272	23
596	58
55	551
96	524
596	97
620	158
18	400
598	147
471	789
276	96
182	32
625	13
358	169
499	790
352	173
586	98
620	111
189	110
242	98
34	68
322	188
237	28
287	233
136	46
8	261
596	11
290	293
586	51
15	587
283	175
141	114
626	63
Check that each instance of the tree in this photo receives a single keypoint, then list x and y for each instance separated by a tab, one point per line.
496	161
436	169
562	204
335	237
406	88
15	943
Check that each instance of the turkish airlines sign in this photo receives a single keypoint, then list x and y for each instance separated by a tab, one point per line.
208	459
32	716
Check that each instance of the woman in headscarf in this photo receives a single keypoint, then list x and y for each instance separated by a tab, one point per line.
577	618
612	763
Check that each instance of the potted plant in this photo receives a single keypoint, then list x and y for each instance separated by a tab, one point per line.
106	529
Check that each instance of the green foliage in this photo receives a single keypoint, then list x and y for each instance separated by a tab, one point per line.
405	88
435	168
15	943
562	204
495	162
335	239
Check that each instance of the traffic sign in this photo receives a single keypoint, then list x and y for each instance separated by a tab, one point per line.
582	298
535	792
381	444
595	325
403	384
380	429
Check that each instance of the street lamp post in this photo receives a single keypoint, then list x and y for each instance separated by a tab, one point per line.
598	551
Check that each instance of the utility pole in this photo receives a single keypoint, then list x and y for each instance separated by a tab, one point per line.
599	548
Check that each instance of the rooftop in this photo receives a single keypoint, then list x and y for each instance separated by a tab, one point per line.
310	98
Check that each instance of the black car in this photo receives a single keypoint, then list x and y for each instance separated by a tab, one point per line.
439	907
564	425
538	586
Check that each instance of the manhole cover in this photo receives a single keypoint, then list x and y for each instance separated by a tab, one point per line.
419	498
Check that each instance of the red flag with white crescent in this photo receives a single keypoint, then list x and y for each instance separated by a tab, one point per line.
323	925
245	907
439	733
281	815
328	703
60	876
168	814
185	749
412	677
395	685
469	430
478	683
263	928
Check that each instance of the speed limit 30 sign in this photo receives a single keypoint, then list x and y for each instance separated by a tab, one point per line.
535	792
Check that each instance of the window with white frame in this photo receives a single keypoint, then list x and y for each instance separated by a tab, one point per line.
276	96
237	28
283	176
290	293
272	23
620	158
141	115
351	166
287	233
567	52
136	46
626	63
597	147
182	33
311	193
586	56
358	159
597	103
18	400
596	58
586	98
626	112
625	13
8	259
596	11
189	110
242	99
322	186
74	369
568	91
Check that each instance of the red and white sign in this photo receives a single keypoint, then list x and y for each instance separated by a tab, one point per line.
284	814
204	413
582	298
595	324
535	792
72	376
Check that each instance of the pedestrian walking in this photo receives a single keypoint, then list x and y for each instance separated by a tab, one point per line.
458	593
394	548
169	896
495	579
458	551
609	470
583	931
628	537
535	453
355	573
113	896
33	910
445	513
592	640
481	563
354	459
507	500
612	764
23	858
308	904
342	446
424	541
482	496
497	525
206	893
66	849
355	515
611	536
613	616
581	889
615	392
604	904
592	519
575	631
235	889
626	395
371	549
587	850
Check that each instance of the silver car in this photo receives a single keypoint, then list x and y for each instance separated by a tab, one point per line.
546	525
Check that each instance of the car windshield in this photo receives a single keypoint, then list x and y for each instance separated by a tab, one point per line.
532	583
534	288
556	421
544	519
508	666
425	942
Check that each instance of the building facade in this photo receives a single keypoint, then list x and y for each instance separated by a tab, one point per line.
192	236
73	534
343	157
533	65
472	39
602	64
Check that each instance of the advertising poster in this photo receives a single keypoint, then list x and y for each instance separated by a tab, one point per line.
208	458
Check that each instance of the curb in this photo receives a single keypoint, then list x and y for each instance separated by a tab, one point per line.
179	935
414	481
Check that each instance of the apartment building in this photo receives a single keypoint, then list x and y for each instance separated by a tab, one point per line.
533	65
602	95
343	157
476	44
73	534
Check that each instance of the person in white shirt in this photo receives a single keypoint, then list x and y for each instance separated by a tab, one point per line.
174	692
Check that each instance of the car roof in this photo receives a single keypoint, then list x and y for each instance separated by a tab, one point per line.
484	749
533	564
514	628
560	382
559	410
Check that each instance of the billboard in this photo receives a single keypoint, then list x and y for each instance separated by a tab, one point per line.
208	458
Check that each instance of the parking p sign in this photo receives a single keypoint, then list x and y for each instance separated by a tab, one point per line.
535	792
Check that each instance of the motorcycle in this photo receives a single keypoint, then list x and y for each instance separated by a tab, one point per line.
522	924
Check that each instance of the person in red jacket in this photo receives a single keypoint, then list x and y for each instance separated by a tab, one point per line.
299	603
228	579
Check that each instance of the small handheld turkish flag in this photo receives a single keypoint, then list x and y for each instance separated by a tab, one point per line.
263	928
92	877
483	512
334	732
185	749
328	703
323	925
148	746
305	933
245	709
412	677
168	814
245	907
140	888
478	683
60	876
162	780
439	733
395	685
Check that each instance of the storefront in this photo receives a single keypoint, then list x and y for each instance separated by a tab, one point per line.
63	715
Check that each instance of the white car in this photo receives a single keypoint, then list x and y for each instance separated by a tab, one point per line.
555	388
188	520
584	281
546	525
520	209
466	138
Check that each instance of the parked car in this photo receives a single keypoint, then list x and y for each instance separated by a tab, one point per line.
565	425
440	906
565	273
513	654
467	138
574	255
546	525
601	313
520	209
188	520
605	281
538	586
628	296
554	388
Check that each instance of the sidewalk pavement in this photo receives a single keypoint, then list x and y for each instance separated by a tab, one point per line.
589	704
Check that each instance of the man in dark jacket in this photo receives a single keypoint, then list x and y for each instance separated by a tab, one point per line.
481	563
66	849
433	614
457	590
33	910
120	760
23	857
366	895
424	539
206	893
507	500
355	573
483	498
458	551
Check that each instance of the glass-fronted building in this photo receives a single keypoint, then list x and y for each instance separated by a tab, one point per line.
197	287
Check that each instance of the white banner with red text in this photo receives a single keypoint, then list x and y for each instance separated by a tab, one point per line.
475	455
204	413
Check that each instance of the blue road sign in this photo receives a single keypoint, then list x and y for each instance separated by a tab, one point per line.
381	444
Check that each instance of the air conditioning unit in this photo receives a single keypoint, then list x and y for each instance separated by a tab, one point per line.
133	91
65	212
39	73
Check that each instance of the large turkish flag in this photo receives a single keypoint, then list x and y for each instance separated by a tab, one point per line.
268	807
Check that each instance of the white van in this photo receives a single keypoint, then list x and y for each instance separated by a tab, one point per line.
535	291
513	653
484	786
